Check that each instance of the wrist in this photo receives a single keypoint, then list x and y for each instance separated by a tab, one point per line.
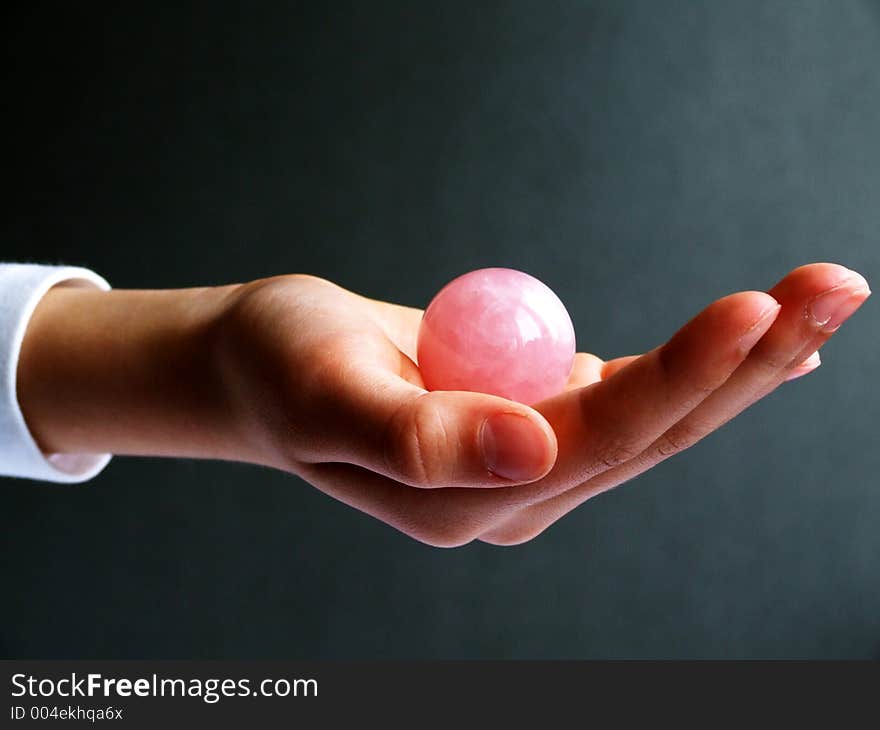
126	372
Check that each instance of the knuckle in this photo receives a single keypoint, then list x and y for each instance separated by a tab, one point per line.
679	437
774	362
702	390
417	443
615	453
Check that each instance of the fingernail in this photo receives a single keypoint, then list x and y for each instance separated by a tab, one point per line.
513	447
807	366
831	309
759	328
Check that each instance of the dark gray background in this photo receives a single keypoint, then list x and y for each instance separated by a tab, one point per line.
642	158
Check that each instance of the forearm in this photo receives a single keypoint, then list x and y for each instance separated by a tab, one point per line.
127	372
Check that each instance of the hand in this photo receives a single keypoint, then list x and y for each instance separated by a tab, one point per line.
299	374
325	385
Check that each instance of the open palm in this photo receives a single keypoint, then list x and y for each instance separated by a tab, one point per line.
327	387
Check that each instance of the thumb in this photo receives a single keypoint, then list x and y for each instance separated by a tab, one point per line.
435	439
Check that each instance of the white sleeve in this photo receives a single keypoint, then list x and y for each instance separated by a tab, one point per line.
21	288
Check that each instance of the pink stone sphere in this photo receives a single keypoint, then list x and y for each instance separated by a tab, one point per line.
497	331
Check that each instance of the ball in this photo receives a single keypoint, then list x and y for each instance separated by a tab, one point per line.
497	331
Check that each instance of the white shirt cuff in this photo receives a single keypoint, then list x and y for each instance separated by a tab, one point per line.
21	288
